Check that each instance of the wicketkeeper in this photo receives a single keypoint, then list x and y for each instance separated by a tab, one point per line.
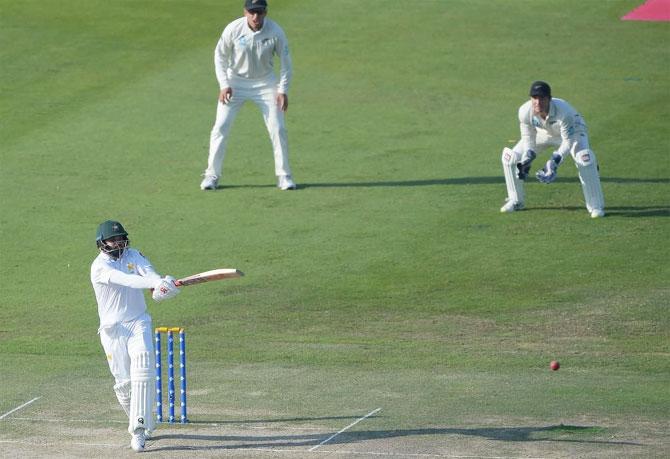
120	275
547	122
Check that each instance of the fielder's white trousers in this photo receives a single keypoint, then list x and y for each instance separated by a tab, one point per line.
129	346
265	97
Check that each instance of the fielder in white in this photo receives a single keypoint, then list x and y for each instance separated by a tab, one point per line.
120	275
551	122
244	63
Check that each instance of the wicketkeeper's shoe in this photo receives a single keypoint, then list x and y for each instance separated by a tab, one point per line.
597	213
138	440
511	206
210	182
285	182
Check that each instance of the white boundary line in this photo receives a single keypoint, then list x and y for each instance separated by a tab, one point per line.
19	407
346	428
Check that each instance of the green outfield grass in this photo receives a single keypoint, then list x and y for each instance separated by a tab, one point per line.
389	279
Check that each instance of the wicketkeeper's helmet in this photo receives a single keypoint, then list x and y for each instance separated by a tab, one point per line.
540	89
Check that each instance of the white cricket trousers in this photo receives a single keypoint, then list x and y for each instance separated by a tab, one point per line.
580	151
265	97
130	354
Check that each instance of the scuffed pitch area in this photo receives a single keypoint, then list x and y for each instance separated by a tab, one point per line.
298	438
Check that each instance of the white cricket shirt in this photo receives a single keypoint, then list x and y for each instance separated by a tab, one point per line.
119	286
563	122
245	58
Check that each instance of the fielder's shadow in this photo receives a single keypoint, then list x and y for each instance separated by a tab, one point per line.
469	181
555	433
443	181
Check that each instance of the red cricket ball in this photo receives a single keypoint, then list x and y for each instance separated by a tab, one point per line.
554	365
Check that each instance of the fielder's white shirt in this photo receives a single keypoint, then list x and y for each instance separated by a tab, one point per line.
563	122
119	286
245	58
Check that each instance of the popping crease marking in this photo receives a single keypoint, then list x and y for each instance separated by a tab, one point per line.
19	407
346	428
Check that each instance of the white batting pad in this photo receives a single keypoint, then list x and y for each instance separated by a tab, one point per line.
515	191
122	390
587	166
143	392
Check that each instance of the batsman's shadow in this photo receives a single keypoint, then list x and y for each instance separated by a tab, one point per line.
553	433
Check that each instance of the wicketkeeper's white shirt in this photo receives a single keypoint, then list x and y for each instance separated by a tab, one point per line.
563	122
244	58
119	286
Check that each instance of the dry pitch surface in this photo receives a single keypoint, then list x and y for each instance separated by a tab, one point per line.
31	432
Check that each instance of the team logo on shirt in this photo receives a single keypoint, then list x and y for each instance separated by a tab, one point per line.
536	122
242	41
131	267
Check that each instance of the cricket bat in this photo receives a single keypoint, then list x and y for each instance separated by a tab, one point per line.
208	276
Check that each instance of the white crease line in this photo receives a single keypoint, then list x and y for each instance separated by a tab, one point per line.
48	444
79	421
19	407
346	428
177	425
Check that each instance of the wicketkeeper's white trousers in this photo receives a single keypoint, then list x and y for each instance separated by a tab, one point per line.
580	152
265	97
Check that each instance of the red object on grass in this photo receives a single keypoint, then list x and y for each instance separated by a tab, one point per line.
651	10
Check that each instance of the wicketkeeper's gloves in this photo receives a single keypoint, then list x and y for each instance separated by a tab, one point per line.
548	173
524	165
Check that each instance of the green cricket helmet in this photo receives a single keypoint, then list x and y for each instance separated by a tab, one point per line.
112	229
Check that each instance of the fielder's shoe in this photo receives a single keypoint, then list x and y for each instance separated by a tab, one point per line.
137	441
597	213
511	206
285	182
210	182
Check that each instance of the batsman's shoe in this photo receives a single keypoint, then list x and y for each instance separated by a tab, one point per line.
597	213
511	206
138	440
210	182
285	182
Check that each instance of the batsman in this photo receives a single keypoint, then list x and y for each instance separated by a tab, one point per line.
120	275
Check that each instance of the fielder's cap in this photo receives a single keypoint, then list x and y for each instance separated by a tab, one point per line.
540	89
251	5
108	229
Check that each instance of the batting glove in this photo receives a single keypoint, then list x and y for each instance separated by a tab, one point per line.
523	167
165	289
548	173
